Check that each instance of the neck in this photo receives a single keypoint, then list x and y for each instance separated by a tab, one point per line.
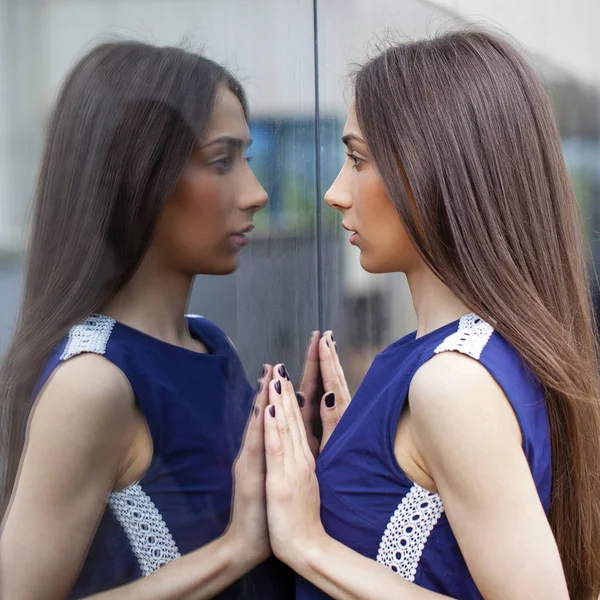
434	303
154	301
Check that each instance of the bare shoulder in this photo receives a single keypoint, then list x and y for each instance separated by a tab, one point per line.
455	391
86	396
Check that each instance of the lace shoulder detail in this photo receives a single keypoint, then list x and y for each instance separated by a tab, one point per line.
471	338
90	336
149	537
407	532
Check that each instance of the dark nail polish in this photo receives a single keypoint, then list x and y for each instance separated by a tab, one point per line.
300	398
283	372
272	410
327	342
278	387
263	372
330	400
259	387
256	411
332	338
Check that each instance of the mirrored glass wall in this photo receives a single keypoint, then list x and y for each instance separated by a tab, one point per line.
295	59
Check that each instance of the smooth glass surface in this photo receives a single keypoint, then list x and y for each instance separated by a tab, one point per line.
268	307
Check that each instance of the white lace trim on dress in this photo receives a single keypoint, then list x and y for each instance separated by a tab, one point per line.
149	536
90	336
407	532
471	338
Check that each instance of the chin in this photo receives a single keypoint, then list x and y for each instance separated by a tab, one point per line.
225	267
370	265
229	266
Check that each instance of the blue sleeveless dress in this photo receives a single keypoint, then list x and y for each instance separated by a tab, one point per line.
196	406
370	505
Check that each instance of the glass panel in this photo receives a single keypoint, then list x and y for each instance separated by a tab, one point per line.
268	303
269	306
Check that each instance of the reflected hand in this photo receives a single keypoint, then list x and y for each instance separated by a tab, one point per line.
322	363
293	505
308	394
248	524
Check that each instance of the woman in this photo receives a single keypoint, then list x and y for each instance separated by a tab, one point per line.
468	463
139	411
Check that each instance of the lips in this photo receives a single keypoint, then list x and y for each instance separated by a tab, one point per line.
239	238
353	233
246	229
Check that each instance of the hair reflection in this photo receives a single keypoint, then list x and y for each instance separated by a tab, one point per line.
144	183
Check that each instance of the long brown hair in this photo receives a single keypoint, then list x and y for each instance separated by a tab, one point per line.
125	123
467	121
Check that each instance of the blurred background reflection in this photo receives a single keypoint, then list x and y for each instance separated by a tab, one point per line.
270	306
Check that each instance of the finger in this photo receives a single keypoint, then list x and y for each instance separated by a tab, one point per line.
253	441
273	446
262	387
329	372
330	416
276	411
338	368
307	410
310	376
293	418
300	429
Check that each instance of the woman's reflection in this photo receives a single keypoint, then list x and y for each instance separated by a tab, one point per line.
139	411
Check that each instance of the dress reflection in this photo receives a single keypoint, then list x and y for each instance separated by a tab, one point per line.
139	411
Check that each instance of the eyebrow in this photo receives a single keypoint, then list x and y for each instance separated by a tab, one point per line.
352	137
236	143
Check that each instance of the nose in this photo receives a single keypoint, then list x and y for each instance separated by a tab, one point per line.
338	196
253	194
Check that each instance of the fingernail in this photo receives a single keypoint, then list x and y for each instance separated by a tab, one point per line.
256	411
259	387
272	410
327	342
330	400
263	372
278	387
331	335
300	398
283	372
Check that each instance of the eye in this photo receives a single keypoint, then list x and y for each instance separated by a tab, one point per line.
223	164
355	159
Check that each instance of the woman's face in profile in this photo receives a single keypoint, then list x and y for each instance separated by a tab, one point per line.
203	226
360	195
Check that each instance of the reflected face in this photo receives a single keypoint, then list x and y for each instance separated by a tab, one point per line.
205	221
360	195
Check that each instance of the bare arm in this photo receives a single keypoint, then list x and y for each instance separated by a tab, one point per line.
470	441
78	435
